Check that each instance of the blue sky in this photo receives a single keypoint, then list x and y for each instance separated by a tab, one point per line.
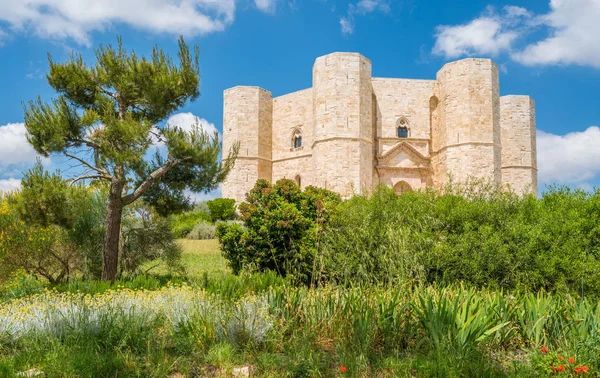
547	49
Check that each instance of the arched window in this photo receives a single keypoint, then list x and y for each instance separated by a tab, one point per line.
299	180
402	126
297	139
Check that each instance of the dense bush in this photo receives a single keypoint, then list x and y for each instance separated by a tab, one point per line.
183	224
202	231
485	238
222	209
51	229
281	226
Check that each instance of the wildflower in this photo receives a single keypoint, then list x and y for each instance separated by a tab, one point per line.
581	369
560	368
571	360
343	369
560	357
544	350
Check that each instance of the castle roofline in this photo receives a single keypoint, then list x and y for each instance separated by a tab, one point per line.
344	53
246	86
467	60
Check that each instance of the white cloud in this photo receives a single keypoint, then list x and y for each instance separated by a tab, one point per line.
76	19
187	121
362	7
569	159
267	6
487	35
7	185
347	25
571	27
574	30
14	148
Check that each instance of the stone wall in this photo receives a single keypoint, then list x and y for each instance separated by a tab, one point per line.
293	112
403	98
519	155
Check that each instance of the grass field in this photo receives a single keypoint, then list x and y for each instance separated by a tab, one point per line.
199	257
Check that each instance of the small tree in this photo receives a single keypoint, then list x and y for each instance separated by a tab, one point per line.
106	118
221	209
281	224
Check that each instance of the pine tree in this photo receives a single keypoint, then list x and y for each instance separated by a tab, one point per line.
106	118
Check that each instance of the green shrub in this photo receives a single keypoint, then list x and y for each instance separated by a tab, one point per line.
147	237
482	236
281	225
183	224
202	231
222	209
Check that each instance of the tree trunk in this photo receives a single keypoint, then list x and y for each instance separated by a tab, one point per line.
114	209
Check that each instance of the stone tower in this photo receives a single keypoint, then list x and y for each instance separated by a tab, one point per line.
342	152
466	140
247	120
519	154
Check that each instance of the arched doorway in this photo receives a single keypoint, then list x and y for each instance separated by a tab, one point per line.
402	187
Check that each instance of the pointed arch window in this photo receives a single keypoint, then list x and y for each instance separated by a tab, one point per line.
297	139
402	128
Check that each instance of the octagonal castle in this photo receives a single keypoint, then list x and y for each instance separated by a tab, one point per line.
351	132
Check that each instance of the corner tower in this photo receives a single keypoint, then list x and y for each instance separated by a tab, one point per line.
247	119
519	155
467	134
342	153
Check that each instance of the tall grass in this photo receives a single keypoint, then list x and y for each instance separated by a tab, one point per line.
283	330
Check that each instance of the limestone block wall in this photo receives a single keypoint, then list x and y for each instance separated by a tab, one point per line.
519	153
403	98
469	134
247	120
293	112
342	157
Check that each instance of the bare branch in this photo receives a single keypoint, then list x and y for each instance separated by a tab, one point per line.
101	177
99	170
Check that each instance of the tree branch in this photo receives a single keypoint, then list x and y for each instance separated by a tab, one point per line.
156	175
102	171
102	177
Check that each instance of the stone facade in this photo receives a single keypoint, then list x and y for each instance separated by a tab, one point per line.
351	132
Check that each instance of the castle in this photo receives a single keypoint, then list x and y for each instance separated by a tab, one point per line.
351	132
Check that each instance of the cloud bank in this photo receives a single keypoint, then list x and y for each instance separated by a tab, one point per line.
570	159
76	20
569	35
